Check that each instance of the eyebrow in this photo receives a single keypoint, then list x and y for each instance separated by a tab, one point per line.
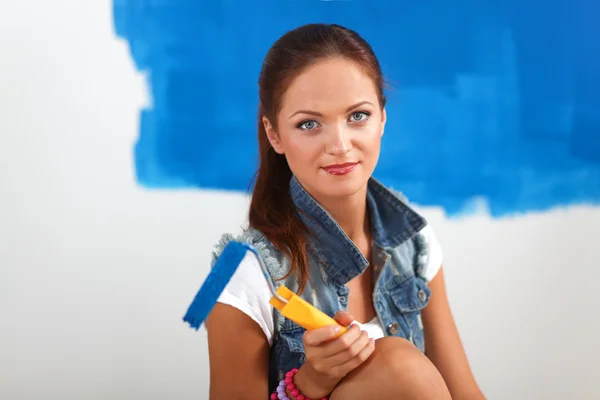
320	115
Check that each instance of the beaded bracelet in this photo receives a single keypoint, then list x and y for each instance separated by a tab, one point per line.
288	384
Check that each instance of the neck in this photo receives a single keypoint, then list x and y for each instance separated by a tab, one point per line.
351	214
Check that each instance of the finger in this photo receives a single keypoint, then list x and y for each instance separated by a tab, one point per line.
349	352
357	360
343	318
329	360
342	342
318	336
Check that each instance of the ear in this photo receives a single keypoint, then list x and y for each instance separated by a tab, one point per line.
383	120
272	136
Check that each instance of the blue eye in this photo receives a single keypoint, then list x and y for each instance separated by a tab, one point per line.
307	125
359	116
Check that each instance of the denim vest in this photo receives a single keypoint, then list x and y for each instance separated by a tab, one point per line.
399	254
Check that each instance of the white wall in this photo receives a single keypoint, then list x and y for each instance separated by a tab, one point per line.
96	272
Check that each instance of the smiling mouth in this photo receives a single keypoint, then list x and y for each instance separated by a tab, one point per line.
340	169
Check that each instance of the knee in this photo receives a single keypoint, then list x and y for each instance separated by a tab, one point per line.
393	347
399	359
398	355
396	368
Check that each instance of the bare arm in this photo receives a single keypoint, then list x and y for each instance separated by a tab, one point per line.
443	345
238	355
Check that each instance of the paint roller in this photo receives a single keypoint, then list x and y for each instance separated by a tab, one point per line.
287	302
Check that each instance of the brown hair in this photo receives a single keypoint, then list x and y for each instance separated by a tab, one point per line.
272	211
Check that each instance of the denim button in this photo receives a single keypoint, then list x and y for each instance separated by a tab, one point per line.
343	299
422	296
393	328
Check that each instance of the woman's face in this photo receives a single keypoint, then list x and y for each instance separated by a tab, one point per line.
329	128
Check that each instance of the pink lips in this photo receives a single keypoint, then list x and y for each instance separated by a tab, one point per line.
340	169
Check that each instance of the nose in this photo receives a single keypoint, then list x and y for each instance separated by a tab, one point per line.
338	142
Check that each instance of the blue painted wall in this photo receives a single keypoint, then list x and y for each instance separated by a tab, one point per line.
498	100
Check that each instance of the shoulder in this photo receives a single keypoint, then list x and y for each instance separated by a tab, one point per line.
430	252
248	236
247	289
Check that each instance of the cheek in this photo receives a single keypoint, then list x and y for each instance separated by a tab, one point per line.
370	139
301	149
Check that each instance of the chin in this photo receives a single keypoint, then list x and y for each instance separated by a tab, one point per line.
344	187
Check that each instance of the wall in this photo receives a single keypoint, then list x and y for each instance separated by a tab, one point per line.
494	100
97	271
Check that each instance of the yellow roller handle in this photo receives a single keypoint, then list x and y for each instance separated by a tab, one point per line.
302	312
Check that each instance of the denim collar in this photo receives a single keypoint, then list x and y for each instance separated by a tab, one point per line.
392	223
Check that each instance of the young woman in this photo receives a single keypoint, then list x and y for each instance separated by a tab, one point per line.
326	229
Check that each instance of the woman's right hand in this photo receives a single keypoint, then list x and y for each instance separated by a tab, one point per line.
329	358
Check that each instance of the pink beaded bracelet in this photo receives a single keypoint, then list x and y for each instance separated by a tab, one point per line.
289	385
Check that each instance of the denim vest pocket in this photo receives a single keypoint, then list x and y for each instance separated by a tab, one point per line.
410	296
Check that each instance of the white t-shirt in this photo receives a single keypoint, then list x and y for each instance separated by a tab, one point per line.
249	292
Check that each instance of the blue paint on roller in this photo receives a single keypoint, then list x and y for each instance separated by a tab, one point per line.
215	283
496	100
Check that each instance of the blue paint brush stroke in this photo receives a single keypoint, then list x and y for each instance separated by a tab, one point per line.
497	100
